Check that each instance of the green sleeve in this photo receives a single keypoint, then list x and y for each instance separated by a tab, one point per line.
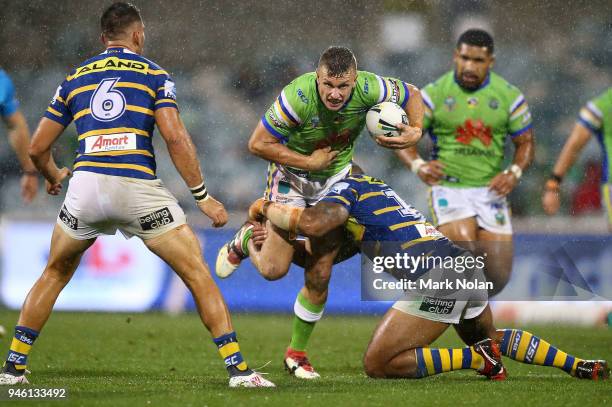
286	112
519	120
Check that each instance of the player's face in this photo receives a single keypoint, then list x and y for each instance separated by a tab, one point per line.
472	64
334	91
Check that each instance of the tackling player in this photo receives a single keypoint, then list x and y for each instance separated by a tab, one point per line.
469	113
381	222
308	137
19	136
594	119
115	99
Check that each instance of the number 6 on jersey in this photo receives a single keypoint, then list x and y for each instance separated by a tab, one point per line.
107	103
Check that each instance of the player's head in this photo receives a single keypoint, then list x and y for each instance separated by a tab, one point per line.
336	76
121	24
473	58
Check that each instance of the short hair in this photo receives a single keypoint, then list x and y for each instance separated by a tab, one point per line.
338	60
476	37
117	18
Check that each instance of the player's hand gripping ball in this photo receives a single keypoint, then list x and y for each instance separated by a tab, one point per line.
382	119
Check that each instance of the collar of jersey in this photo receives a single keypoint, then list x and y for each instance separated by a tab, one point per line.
482	85
122	49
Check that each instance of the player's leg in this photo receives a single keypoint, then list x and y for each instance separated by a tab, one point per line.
180	249
400	348
526	347
273	259
64	257
498	262
310	302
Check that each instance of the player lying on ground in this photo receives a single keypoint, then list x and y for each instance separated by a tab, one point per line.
378	217
308	136
114	186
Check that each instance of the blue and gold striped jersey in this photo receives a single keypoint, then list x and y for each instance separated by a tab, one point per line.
112	98
378	215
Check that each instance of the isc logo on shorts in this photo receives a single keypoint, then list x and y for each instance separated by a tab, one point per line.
110	142
437	305
68	219
156	219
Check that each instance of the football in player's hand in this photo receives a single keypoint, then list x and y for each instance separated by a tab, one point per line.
382	119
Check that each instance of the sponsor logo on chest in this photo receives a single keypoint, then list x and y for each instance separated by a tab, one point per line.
110	142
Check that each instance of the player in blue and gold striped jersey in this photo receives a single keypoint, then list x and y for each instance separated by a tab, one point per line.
115	99
383	224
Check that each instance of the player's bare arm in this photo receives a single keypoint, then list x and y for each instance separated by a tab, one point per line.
184	156
40	153
409	134
19	138
315	222
430	172
505	182
575	143
266	146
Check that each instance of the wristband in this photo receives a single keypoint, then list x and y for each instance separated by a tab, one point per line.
415	165
516	170
200	193
556	177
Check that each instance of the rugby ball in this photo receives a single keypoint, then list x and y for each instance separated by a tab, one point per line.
382	118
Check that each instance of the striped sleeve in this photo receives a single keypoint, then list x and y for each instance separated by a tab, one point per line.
58	109
392	90
282	116
591	117
429	108
165	92
519	119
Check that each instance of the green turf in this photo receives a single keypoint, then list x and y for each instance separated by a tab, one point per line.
155	359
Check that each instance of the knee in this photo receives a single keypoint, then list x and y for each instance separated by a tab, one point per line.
272	272
373	366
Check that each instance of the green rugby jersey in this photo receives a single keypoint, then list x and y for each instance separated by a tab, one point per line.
597	117
302	122
469	128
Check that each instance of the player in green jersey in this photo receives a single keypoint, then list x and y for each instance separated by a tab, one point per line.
594	119
308	137
469	113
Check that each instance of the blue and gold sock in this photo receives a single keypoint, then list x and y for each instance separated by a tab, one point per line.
230	352
17	358
431	361
525	347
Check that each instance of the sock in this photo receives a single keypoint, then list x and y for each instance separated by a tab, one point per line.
306	316
525	347
241	242
17	357
431	361
230	352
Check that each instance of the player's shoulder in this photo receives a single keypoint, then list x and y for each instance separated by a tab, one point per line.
4	77
604	98
502	85
439	86
300	94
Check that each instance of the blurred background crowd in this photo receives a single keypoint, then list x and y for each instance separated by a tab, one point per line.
230	59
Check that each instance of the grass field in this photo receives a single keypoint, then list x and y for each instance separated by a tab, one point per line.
156	359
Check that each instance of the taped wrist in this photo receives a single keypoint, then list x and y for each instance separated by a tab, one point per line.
282	216
199	192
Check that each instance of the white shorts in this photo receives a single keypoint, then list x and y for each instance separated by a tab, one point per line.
289	187
448	310
98	204
490	210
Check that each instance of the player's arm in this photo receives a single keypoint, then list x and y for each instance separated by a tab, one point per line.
524	151
269	147
409	134
316	221
19	138
184	156
573	146
40	153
